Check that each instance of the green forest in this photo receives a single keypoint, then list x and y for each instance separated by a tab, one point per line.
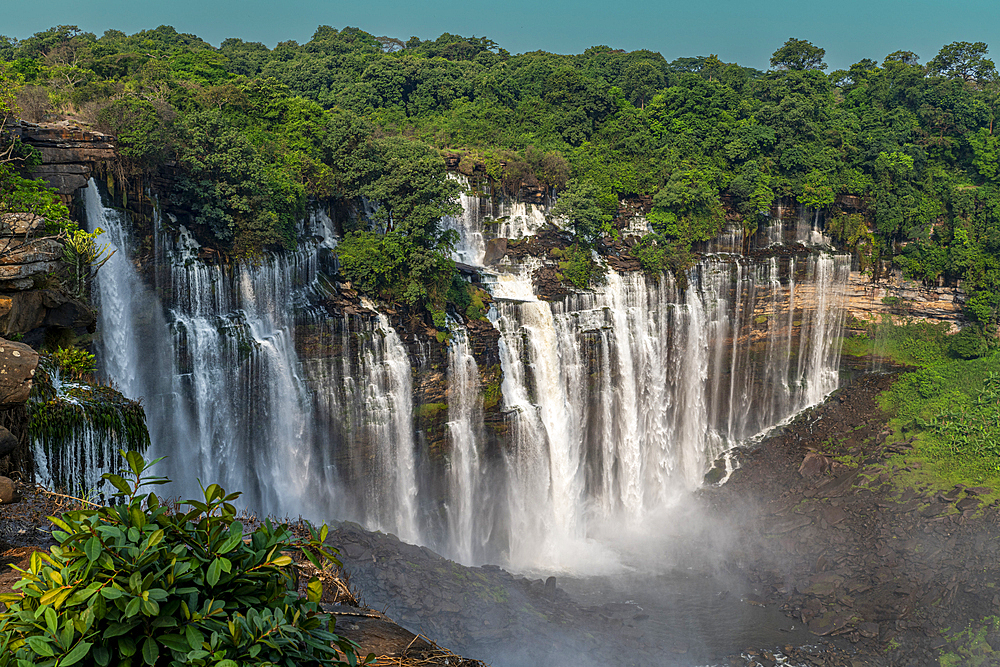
257	133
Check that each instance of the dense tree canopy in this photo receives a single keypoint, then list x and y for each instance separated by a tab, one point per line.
258	132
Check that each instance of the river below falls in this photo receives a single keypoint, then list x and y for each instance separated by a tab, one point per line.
691	617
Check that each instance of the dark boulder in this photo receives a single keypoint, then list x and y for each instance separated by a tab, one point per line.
8	442
17	369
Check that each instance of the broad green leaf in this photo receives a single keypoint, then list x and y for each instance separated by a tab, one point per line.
57	521
175	642
50	595
150	651
149	607
102	656
82	595
117	629
111	593
135	462
138	517
157	594
118	482
78	653
126	646
156	537
51	620
92	548
66	634
314	590
230	544
194	636
132	608
60	596
40	645
214	571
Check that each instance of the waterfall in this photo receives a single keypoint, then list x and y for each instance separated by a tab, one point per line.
388	400
615	401
87	444
619	399
482	218
216	367
465	420
471	245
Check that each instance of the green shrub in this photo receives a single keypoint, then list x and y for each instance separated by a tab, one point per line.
580	268
136	584
953	408
969	343
914	343
74	362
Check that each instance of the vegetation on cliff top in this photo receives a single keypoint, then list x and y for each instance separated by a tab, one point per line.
256	131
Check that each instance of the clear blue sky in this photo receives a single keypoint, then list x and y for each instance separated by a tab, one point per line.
743	31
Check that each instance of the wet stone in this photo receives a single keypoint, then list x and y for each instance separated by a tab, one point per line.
829	623
8	491
869	630
967	503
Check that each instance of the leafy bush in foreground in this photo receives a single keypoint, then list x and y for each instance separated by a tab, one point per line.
134	584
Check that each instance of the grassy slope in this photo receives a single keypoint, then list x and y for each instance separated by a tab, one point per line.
949	406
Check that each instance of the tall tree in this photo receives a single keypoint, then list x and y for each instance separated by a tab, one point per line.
964	60
798	54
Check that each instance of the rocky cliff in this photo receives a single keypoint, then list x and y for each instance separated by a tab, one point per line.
70	154
904	299
34	304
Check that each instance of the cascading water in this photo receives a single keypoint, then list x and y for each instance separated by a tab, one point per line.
230	401
465	424
471	245
219	375
616	400
482	218
87	443
635	388
389	405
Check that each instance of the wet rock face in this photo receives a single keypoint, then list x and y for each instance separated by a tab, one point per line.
8	442
485	611
17	370
30	300
22	256
8	491
21	259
